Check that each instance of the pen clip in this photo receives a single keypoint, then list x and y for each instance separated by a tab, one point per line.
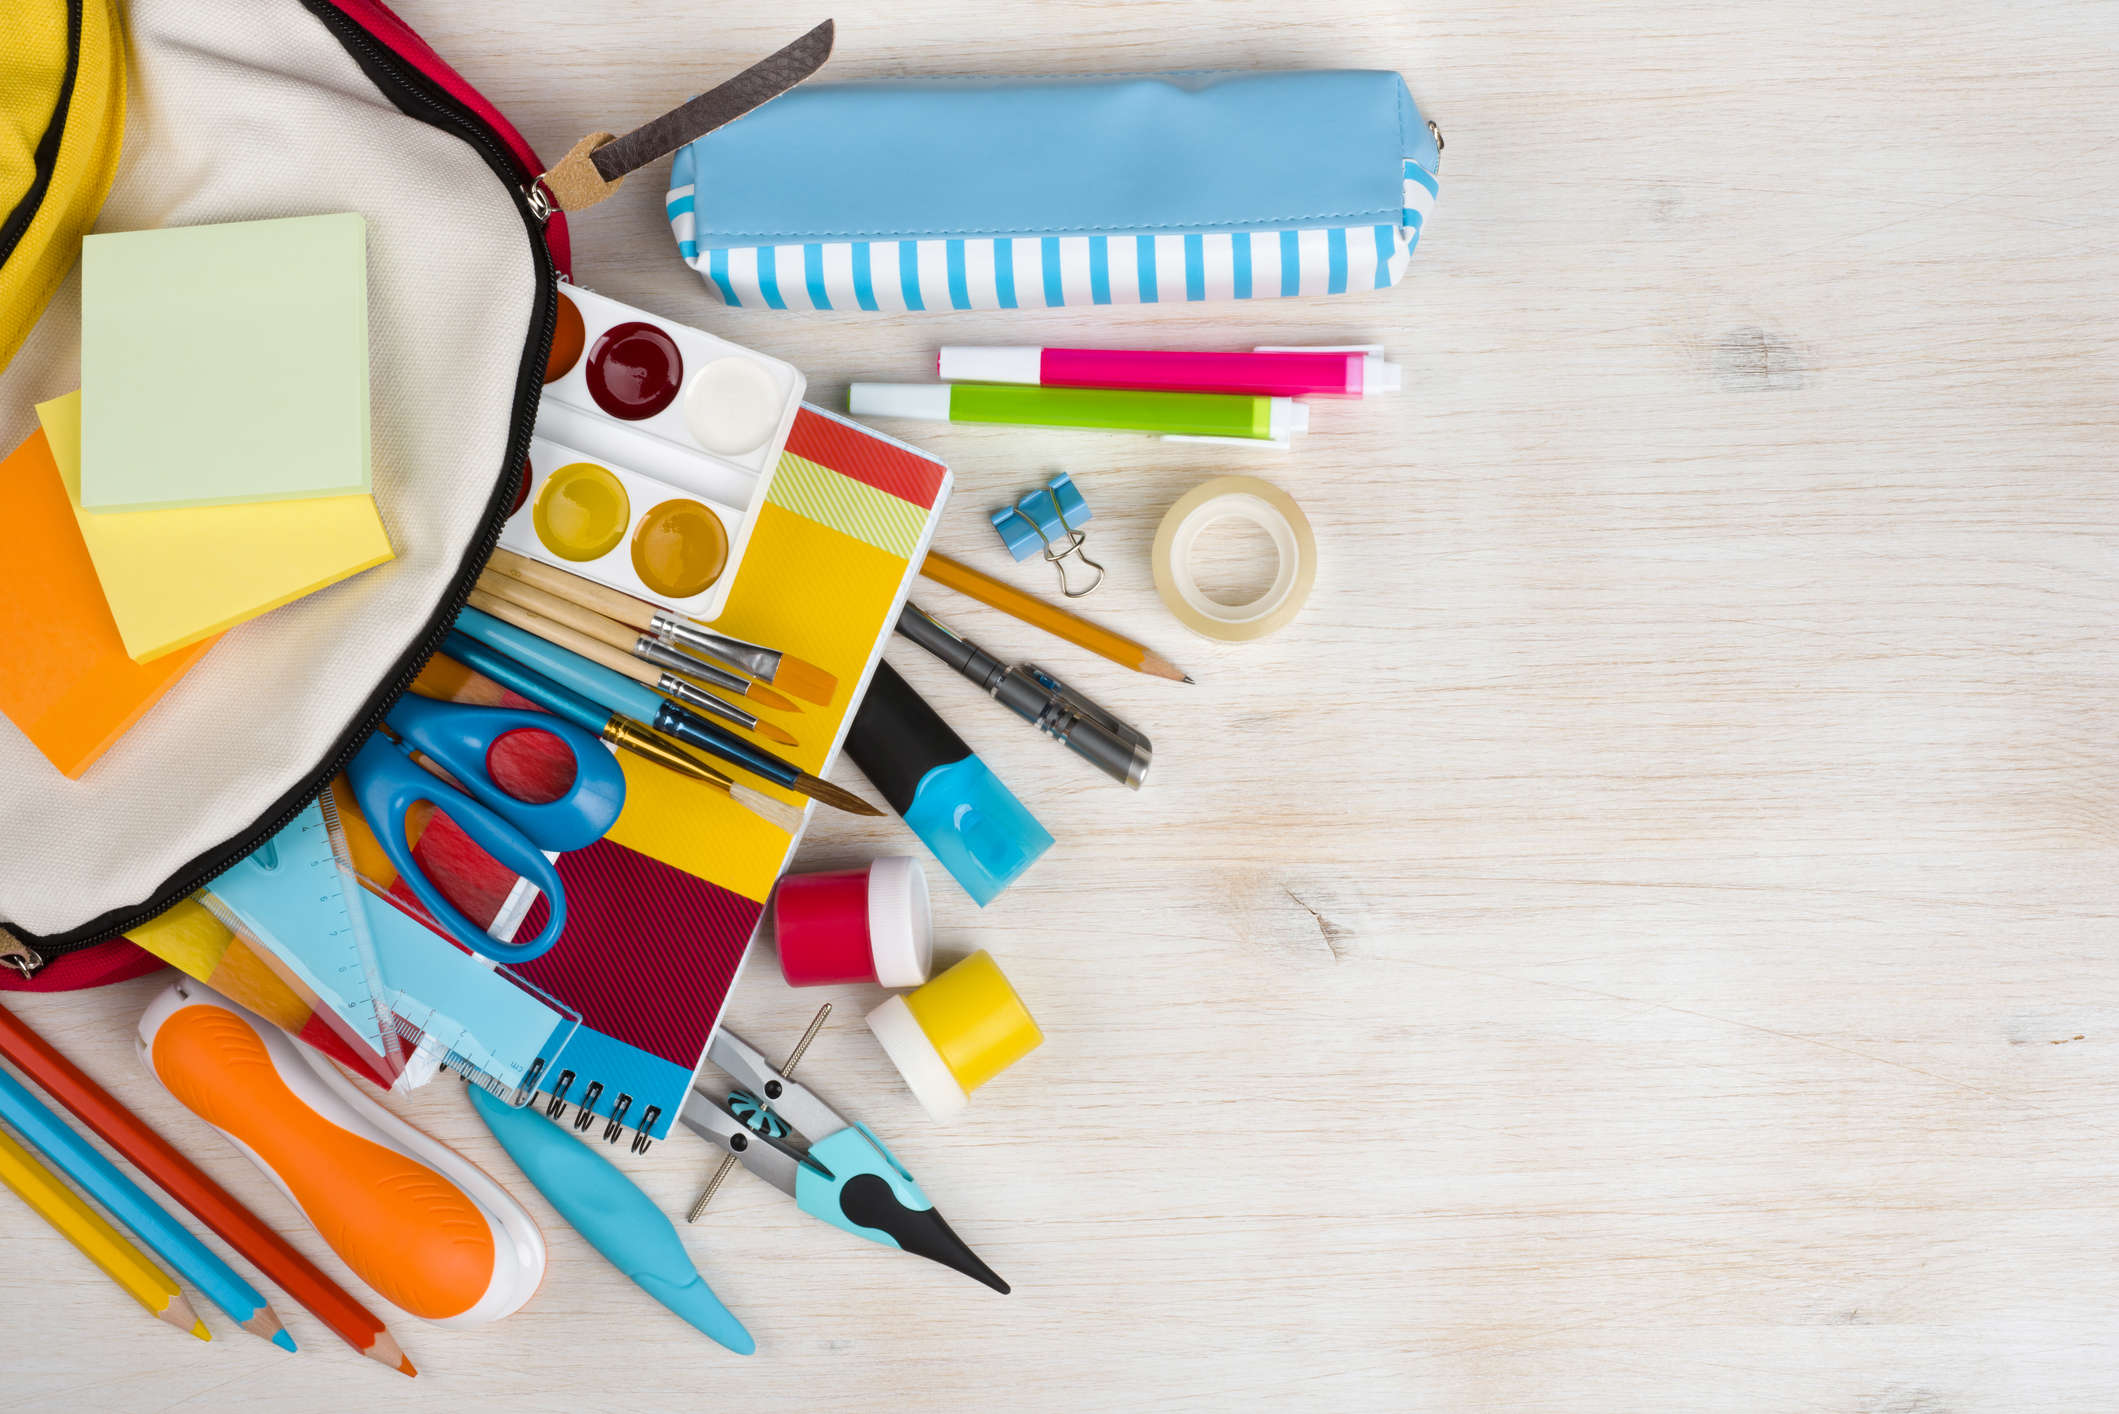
1082	708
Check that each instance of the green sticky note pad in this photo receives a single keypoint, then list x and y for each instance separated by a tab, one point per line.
223	364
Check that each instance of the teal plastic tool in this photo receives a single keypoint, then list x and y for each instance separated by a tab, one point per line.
607	1208
834	1168
129	1204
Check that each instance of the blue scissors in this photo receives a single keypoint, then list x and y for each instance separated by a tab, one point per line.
458	738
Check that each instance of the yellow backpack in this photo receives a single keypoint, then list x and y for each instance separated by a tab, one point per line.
62	113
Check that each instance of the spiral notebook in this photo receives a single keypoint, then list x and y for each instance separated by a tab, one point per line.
661	911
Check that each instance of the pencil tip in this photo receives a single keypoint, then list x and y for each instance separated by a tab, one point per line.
265	1324
1188	678
386	1351
179	1313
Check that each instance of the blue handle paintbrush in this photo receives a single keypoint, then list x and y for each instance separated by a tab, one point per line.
619	730
574	662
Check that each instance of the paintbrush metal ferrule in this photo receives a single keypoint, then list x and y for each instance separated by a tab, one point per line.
758	661
700	700
662	655
631	735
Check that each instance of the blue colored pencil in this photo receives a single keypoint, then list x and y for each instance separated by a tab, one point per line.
192	1259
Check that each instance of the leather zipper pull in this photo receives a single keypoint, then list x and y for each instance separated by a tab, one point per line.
595	166
20	955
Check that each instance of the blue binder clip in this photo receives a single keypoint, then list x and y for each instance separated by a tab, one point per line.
1051	518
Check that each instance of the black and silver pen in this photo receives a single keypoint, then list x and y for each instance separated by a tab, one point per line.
1118	750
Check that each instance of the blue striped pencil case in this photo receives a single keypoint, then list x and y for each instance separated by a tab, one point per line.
1036	193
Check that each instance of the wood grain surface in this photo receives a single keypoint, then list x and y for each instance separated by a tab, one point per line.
1643	940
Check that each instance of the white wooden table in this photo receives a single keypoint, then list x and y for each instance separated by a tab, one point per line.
1643	940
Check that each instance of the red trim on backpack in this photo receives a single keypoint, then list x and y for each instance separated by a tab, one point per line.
400	38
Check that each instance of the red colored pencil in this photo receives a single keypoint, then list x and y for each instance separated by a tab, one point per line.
210	1203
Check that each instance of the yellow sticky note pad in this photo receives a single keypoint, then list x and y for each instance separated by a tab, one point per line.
794	588
172	577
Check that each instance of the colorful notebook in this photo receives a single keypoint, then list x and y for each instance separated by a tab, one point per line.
68	683
225	363
175	577
660	912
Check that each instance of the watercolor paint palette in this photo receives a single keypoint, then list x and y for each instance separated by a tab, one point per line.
600	519
661	438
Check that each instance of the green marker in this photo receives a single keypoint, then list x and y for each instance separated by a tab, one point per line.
1177	417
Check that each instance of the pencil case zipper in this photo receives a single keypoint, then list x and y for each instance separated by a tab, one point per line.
434	105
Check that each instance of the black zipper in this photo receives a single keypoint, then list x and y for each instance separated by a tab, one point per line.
419	97
45	160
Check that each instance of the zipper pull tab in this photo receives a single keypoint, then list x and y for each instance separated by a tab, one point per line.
594	167
20	955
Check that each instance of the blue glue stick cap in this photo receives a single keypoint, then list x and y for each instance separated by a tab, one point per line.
974	825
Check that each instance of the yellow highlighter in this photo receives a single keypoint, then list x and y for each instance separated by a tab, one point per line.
424	1226
103	1244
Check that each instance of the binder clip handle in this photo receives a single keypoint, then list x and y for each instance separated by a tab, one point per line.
1050	519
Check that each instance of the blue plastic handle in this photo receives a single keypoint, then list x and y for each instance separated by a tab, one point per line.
618	1219
459	737
387	785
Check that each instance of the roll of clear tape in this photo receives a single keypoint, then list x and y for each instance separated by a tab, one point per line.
1240	498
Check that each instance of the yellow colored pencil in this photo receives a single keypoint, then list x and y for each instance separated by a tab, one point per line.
50	1198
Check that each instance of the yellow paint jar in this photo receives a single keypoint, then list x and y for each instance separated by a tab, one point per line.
581	512
680	548
957	1032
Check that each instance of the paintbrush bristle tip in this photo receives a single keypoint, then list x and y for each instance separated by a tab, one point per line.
774	732
837	797
805	680
764	696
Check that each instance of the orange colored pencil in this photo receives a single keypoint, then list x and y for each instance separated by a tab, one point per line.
210	1203
1050	617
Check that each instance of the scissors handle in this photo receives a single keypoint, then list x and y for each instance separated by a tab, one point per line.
460	737
387	785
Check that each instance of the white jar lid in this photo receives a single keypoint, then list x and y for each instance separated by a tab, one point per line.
917	1060
900	921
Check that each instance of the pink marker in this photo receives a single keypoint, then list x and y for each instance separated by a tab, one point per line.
1345	371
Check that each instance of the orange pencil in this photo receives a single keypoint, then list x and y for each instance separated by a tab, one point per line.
1049	617
210	1203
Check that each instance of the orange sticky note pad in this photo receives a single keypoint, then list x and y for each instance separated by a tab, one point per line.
68	683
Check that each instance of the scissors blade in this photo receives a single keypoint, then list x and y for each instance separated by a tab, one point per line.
760	83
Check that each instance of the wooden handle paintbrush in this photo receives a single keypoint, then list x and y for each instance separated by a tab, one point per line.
783	670
504	582
626	648
603	674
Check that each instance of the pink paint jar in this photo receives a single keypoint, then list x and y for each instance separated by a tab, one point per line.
856	925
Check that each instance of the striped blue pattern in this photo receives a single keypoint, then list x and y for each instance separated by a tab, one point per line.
1059	271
